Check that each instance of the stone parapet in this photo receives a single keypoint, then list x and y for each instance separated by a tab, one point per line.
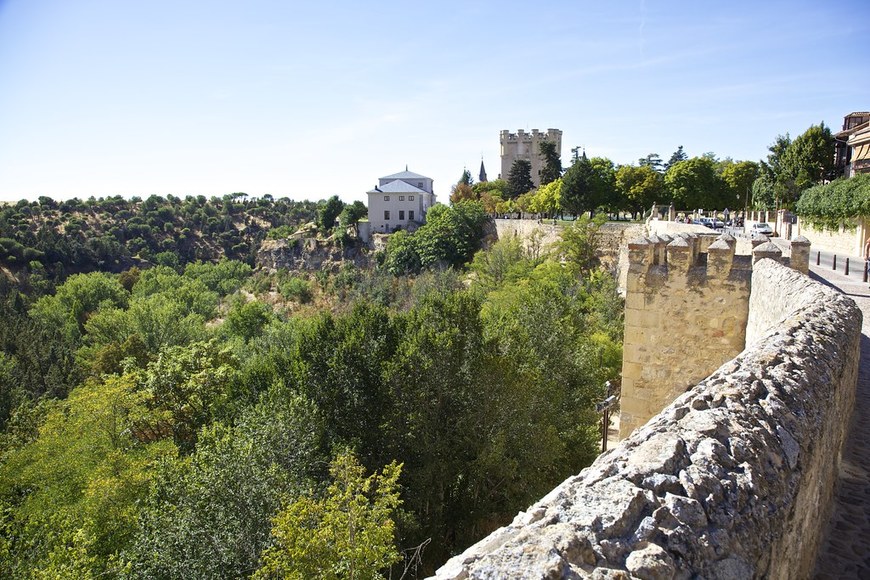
730	480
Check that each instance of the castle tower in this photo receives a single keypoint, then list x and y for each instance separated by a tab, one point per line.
522	145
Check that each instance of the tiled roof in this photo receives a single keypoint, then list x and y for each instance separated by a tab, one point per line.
397	186
406	175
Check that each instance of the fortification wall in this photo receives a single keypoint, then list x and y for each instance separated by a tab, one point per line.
729	481
612	239
685	315
533	233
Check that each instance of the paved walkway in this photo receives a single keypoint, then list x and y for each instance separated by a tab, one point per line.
845	550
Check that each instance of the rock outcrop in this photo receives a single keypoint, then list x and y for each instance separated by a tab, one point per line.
309	254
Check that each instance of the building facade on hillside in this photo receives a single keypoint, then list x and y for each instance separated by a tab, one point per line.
852	155
399	201
522	145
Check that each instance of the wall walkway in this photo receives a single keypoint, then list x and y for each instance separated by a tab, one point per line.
845	550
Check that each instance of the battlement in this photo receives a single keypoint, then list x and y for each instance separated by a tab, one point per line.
523	145
686	309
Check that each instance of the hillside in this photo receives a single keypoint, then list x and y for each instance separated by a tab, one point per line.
56	239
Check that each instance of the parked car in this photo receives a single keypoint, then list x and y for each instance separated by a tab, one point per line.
712	223
761	229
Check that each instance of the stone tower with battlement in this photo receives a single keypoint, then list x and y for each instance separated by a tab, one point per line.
686	310
522	145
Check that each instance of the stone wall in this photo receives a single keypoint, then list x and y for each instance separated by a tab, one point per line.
685	314
843	242
534	233
731	480
612	239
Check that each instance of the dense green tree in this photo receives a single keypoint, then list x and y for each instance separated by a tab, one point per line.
807	161
552	163
764	191
696	184
836	204
328	213
210	515
676	157
739	178
589	184
639	187
519	179
346	534
652	160
451	235
352	214
75	489
247	319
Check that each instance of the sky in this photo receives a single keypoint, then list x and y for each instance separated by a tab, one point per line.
313	99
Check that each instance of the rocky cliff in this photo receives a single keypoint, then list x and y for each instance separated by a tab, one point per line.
310	254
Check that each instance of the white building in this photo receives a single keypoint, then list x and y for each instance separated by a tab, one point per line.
400	200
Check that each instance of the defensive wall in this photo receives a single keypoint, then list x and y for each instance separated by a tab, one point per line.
686	311
542	234
734	478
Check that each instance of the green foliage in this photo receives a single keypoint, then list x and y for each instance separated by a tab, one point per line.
210	515
77	299
837	203
186	387
588	184
352	213
505	261
579	243
449	237
328	213
75	488
639	186
247	319
191	294
764	191
519	180
739	178
403	257
295	288
224	277
346	534
695	183
552	167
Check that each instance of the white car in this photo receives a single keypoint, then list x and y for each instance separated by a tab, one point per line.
761	229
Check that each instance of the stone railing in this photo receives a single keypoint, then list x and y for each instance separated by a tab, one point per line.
731	480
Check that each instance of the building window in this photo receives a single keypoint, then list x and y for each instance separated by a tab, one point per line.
401	214
386	198
401	198
410	198
411	214
386	214
419	185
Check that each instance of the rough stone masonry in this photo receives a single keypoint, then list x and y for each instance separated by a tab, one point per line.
732	480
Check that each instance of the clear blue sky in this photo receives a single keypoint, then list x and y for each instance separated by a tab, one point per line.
319	98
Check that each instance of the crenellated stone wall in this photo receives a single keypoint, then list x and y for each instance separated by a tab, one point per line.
731	480
686	310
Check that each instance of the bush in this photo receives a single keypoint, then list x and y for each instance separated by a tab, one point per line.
297	289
